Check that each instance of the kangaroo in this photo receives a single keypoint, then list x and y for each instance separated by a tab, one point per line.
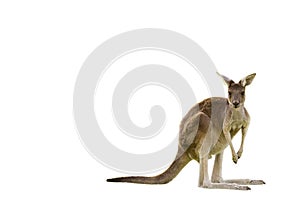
206	130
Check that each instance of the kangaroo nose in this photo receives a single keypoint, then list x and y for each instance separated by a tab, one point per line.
235	103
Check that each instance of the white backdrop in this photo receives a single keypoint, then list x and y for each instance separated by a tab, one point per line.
42	48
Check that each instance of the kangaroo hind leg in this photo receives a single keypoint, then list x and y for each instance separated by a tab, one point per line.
245	181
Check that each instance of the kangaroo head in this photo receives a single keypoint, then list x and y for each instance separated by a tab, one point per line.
236	91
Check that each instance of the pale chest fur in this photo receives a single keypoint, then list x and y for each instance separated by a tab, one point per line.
235	119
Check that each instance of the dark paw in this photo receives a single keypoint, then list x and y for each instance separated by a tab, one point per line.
235	158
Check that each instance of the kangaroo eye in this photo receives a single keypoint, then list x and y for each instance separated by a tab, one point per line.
242	93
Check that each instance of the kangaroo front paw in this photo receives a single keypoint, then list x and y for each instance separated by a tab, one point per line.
235	158
239	153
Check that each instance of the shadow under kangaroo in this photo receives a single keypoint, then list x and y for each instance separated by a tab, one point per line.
206	130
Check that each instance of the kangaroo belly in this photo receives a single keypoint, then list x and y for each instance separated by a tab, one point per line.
222	143
219	146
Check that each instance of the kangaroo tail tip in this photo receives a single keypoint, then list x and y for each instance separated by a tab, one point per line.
121	179
111	180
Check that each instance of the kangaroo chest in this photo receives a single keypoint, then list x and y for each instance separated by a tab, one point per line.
236	126
235	121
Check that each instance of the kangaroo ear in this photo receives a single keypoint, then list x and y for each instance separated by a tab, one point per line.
247	80
228	81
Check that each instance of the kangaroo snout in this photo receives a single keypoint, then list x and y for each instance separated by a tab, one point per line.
235	103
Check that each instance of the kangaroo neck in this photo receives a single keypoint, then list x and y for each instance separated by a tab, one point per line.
235	113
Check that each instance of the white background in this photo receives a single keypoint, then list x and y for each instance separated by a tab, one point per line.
43	45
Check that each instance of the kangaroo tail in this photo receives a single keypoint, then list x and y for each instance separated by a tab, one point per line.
165	177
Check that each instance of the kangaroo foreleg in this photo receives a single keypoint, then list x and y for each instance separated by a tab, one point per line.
244	133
